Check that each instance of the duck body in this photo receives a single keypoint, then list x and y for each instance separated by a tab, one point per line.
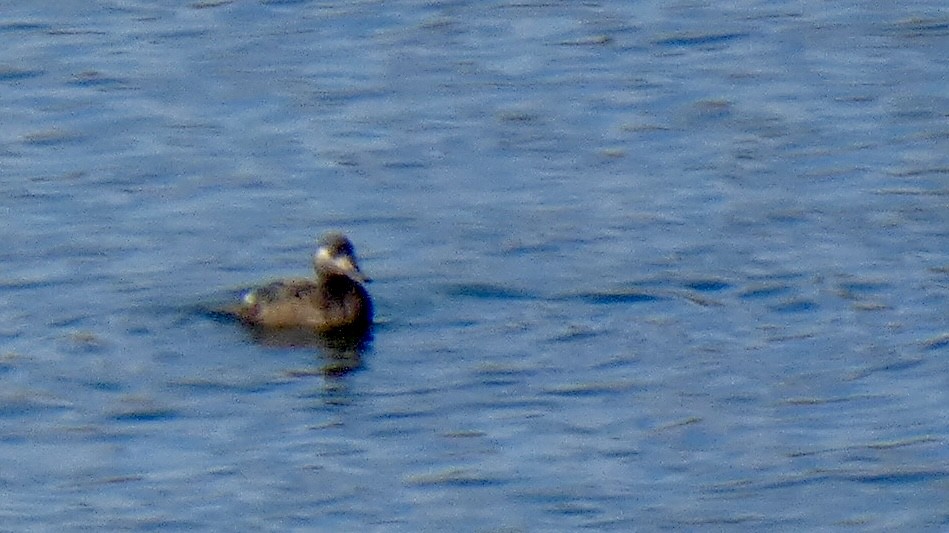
334	300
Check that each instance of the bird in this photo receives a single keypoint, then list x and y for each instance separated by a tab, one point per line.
335	300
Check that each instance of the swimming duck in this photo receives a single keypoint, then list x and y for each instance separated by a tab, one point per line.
335	300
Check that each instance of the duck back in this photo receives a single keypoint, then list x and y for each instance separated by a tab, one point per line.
331	302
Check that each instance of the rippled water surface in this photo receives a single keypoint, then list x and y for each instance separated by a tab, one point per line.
638	265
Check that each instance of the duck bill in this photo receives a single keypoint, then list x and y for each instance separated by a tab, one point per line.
349	266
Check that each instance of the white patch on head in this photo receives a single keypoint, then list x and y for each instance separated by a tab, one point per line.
250	297
344	263
323	255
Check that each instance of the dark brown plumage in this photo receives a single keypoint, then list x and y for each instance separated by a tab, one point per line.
335	300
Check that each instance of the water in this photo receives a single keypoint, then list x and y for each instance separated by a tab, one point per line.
638	265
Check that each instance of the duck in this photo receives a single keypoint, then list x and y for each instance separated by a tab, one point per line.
335	300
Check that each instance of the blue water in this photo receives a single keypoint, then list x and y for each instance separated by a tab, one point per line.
638	265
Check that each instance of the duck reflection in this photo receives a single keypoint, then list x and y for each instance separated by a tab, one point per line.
338	353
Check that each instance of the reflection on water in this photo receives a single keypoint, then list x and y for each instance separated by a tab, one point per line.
338	354
335	353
